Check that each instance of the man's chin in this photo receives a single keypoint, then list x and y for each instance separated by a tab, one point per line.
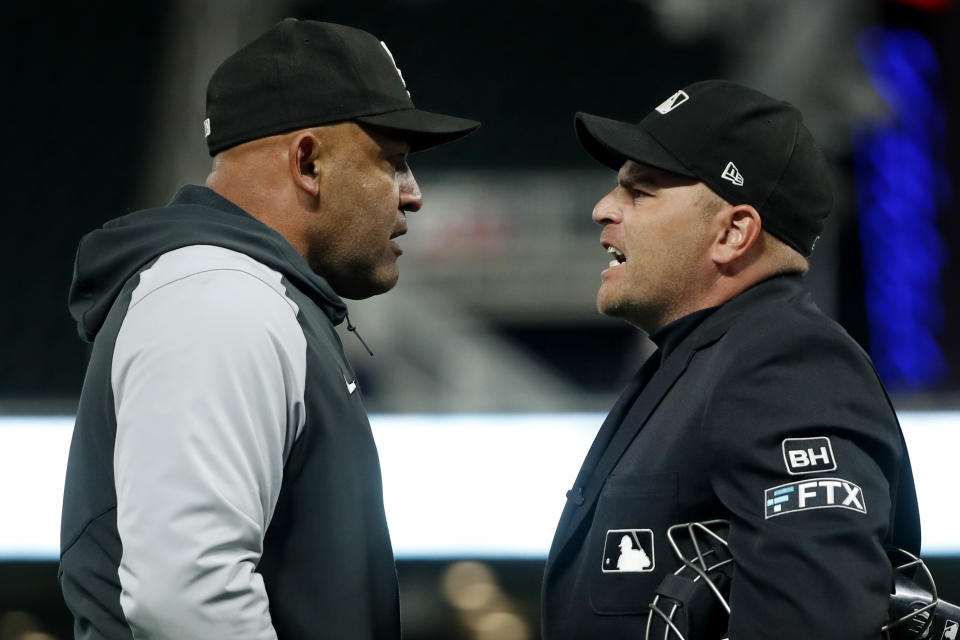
363	289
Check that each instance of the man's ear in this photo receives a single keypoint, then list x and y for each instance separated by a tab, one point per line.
304	157
739	232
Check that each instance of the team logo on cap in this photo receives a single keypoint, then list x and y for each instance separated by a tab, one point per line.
384	45
732	174
673	102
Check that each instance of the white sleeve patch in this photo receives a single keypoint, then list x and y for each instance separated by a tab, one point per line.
208	378
808	455
816	493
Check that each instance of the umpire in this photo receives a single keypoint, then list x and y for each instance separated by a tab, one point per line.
756	408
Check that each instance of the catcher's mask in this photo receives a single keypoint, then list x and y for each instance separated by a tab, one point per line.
692	604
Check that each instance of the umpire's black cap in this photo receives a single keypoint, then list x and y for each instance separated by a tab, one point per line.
744	145
303	73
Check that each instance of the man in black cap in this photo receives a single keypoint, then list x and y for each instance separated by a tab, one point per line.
756	409
223	480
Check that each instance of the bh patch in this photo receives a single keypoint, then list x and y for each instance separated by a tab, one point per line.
808	455
819	493
628	550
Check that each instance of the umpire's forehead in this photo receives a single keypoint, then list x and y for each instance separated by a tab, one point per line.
638	172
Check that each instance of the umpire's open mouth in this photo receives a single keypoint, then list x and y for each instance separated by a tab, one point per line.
618	257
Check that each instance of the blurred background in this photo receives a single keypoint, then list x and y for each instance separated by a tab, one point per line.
490	351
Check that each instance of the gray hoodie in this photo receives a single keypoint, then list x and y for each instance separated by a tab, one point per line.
223	480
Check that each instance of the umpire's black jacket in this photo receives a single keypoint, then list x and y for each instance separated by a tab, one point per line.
766	414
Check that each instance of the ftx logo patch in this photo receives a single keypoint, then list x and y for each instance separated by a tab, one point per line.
819	493
628	550
808	455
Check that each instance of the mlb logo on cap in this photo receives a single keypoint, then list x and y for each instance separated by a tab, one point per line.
628	550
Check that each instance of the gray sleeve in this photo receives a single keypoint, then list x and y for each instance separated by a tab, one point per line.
208	380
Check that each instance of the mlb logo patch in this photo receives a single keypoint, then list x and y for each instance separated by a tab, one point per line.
949	630
628	551
808	455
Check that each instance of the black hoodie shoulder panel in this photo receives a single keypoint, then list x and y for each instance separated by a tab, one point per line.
108	257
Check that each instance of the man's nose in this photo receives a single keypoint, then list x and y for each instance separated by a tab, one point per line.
410	197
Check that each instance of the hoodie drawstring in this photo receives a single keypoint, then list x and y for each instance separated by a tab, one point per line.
352	328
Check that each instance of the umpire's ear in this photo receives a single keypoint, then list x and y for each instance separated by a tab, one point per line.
739	227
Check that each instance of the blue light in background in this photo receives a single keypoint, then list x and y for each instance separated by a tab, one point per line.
902	183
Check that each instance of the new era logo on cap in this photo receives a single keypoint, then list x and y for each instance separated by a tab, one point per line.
732	174
673	102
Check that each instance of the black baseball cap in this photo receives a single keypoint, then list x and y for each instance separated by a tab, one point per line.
303	73
746	146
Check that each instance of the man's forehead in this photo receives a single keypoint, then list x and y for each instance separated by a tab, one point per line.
390	142
349	135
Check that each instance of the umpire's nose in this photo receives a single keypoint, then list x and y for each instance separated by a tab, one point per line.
607	211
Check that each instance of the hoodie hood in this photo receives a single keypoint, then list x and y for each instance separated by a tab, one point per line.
108	257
